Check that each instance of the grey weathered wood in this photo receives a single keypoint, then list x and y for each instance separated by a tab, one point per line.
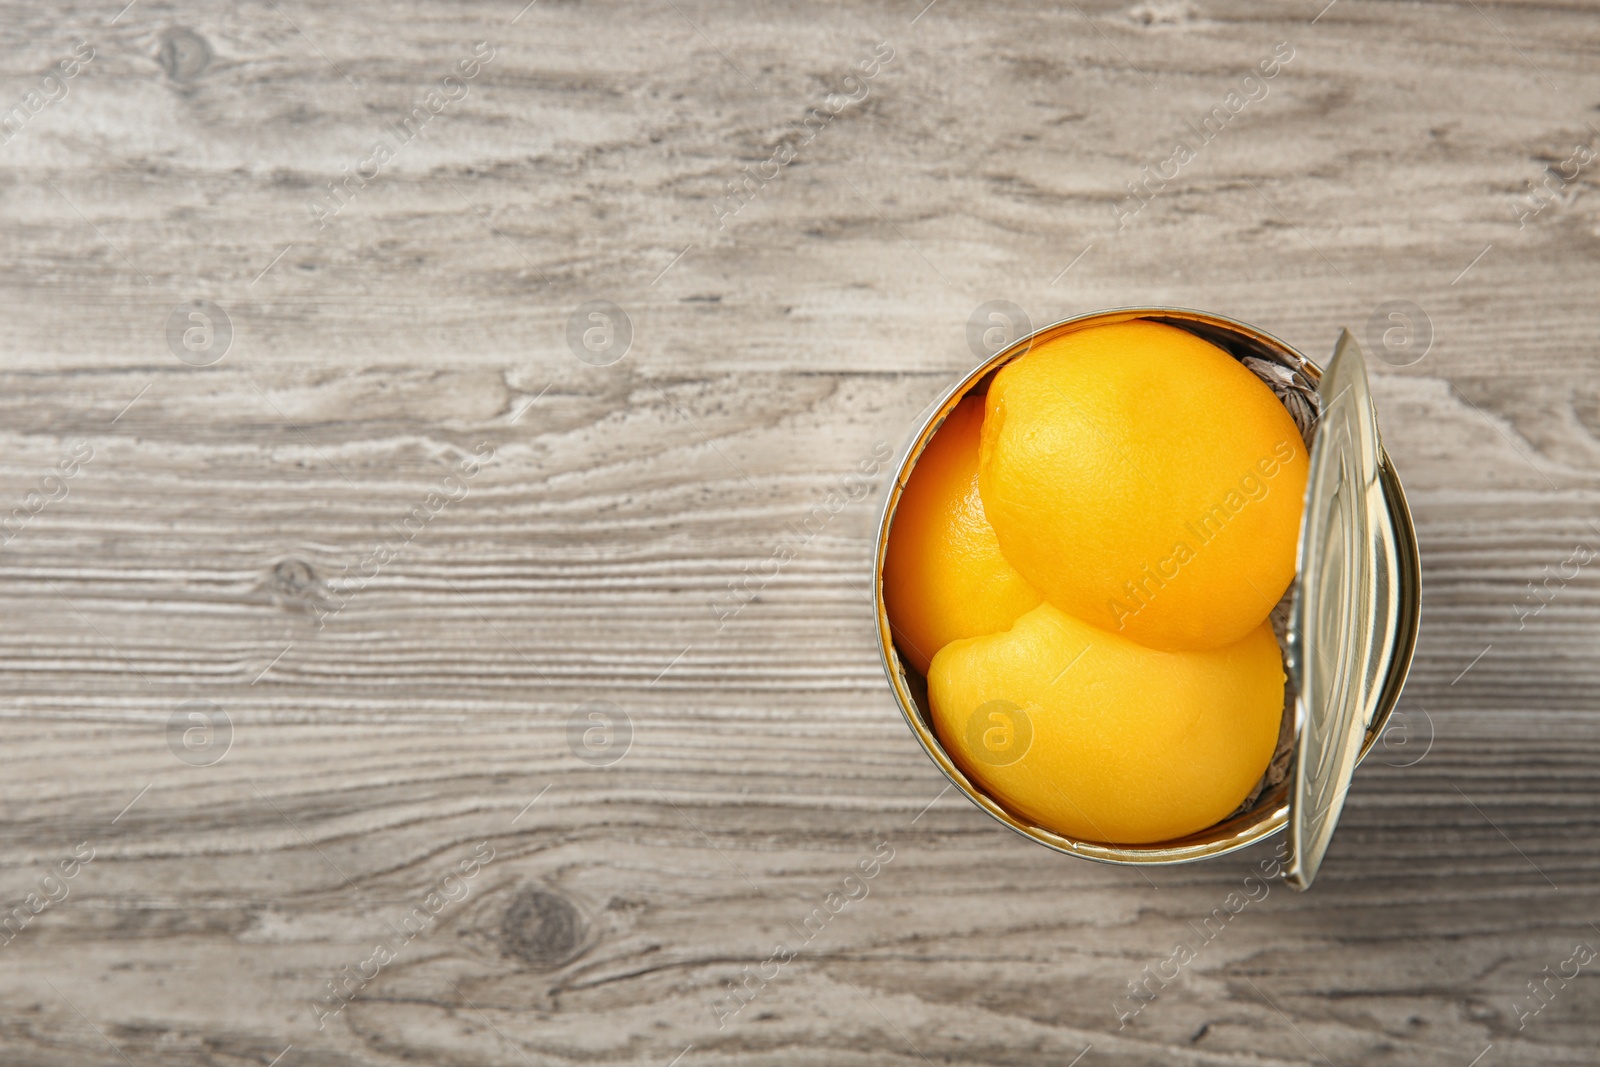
224	505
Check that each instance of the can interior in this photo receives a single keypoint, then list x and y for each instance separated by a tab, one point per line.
1293	378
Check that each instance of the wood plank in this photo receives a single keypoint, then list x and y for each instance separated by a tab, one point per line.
384	726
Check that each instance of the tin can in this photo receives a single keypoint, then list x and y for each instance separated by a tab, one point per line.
1353	609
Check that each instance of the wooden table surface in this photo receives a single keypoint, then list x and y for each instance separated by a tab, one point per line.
384	683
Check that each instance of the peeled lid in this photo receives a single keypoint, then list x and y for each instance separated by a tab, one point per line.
1347	611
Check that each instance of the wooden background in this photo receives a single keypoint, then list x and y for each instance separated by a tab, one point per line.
383	726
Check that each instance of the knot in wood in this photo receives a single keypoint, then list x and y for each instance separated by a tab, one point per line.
542	929
183	54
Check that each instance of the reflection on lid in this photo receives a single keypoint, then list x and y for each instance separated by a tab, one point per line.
1346	613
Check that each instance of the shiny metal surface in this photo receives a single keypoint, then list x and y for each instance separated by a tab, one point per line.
1345	610
1271	810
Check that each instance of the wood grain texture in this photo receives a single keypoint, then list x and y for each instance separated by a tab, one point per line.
217	544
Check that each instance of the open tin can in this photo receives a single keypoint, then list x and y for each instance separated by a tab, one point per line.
1348	627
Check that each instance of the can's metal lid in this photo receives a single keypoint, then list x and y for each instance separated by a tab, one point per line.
1346	610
